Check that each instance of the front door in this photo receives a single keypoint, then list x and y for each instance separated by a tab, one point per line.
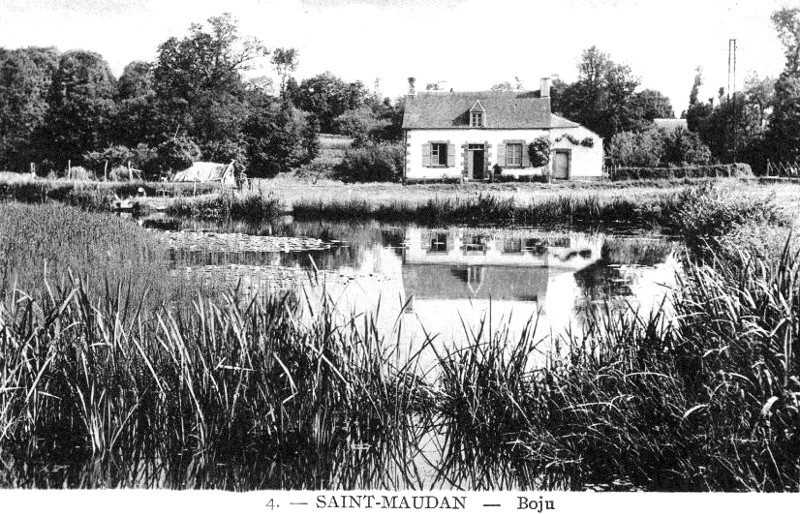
561	165
475	162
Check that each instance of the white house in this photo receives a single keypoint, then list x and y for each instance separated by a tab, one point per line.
451	135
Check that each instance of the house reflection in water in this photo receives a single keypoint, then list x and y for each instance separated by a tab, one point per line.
511	268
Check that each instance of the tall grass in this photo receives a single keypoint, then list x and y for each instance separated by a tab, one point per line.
196	399
715	208
96	196
252	207
706	400
53	245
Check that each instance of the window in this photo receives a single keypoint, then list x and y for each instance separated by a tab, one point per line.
438	154
514	154
438	242
476	119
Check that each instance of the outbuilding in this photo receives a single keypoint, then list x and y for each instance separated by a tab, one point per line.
463	135
208	172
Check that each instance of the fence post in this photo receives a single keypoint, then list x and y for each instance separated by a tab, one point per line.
105	171
69	169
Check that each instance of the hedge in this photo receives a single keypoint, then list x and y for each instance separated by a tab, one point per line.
737	169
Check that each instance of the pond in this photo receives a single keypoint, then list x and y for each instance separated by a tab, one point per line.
410	284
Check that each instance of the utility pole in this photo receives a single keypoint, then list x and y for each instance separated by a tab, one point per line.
732	87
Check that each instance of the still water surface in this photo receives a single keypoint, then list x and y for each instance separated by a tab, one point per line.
445	283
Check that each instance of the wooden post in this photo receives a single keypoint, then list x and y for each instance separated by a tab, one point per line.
105	171
69	169
130	172
33	169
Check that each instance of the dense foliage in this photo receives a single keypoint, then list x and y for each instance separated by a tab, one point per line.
191	103
539	151
653	148
373	162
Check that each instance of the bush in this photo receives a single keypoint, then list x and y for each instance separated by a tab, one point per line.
279	137
313	171
119	174
371	163
713	170
117	155
539	151
81	173
177	154
642	150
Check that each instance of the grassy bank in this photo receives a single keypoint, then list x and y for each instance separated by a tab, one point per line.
49	248
706	210
90	195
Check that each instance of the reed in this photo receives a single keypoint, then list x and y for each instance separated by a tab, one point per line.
703	398
243	384
705	210
229	206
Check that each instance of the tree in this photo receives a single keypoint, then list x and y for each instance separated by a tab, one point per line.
604	97
682	148
285	62
784	125
327	96
391	115
198	79
653	104
359	124
207	60
140	117
643	149
783	136
25	78
698	111
81	106
177	153
278	137
787	24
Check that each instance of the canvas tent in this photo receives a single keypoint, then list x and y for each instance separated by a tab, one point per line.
207	172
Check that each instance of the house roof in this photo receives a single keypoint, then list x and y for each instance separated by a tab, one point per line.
503	109
562	123
205	172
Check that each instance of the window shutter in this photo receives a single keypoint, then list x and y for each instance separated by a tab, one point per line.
501	154
426	155
526	157
451	155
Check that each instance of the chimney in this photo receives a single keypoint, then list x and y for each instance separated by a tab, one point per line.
544	90
411	89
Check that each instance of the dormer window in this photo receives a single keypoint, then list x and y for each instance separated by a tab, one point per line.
476	114
476	119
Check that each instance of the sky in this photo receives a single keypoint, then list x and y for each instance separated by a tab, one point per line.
463	44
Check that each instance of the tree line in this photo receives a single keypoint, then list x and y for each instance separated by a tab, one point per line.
192	102
760	122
